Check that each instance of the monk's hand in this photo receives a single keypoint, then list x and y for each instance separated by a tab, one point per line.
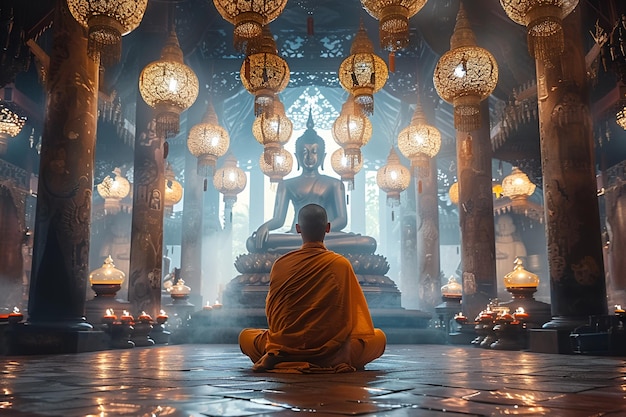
261	236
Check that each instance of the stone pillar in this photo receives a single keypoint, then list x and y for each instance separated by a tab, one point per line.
146	246
60	266
573	235
191	246
257	199
476	216
615	197
357	204
427	228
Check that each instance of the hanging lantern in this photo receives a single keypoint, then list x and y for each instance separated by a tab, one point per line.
393	178
173	189
272	131
113	190
279	166
106	22
208	141
363	72
393	16
352	130
264	74
620	117
453	193
419	141
465	75
169	87
542	19
249	18
517	186
230	180
11	124
345	167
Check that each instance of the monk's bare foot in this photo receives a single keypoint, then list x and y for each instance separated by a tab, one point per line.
267	361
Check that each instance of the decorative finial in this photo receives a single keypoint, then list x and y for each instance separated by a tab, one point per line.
309	123
463	34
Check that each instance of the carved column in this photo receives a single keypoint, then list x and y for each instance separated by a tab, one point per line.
146	246
572	216
615	197
427	227
191	246
476	216
257	199
357	204
63	217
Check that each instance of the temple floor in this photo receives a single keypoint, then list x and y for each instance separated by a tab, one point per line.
408	380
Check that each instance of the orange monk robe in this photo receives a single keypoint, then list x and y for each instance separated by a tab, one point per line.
317	314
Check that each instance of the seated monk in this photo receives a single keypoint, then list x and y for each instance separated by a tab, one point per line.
310	187
317	314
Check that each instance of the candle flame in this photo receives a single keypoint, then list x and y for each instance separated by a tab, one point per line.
163	313
16	310
143	313
126	313
520	310
109	312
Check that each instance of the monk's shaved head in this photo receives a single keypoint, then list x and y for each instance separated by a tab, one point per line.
313	223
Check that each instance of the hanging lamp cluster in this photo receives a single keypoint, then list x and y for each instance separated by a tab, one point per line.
249	18
264	74
352	130
106	22
465	75
543	22
169	87
363	72
272	131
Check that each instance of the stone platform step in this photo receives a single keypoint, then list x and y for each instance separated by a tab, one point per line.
223	325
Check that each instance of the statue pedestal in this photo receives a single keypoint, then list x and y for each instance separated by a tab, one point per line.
244	303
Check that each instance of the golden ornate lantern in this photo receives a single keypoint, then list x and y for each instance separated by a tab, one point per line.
264	74
272	131
453	193
393	16
517	186
279	166
520	278
419	141
620	117
452	290
465	75
11	124
208	141
393	178
542	19
345	167
352	130
169	87
230	180
107	280
249	18
173	189
363	72
113	190
106	22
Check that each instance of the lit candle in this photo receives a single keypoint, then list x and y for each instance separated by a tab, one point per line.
15	316
217	304
145	317
126	318
162	317
460	318
520	314
109	316
207	306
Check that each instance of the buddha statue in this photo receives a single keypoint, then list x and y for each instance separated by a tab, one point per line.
310	187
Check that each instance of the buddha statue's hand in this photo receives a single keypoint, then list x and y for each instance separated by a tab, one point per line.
256	242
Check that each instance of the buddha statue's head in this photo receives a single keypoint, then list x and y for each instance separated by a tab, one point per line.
310	148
